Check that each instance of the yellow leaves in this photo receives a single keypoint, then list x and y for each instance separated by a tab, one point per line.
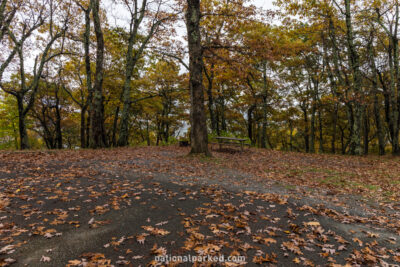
75	223
268	241
198	236
73	263
266	258
93	259
161	232
291	246
141	238
315	224
159	251
296	260
372	235
341	240
99	210
4	202
156	231
189	245
356	240
207	249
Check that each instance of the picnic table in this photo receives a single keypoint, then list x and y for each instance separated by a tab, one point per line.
230	141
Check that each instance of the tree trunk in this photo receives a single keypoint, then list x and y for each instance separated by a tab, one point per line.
306	135
23	134
250	123
321	136
264	107
342	141
199	138
97	137
82	128
126	96
58	122
334	128
88	123
312	130
353	58
366	132
115	125
377	115
147	133
263	140
85	126
379	127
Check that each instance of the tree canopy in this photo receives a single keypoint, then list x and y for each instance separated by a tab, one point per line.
312	76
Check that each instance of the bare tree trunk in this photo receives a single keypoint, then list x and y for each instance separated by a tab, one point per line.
97	136
115	125
379	127
23	134
312	130
264	106
353	58
366	132
58	121
306	135
137	15
321	136
88	123
147	133
250	123
82	128
377	115
199	138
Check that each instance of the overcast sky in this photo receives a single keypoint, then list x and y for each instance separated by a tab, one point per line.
119	14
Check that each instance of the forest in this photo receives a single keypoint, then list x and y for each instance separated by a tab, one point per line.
301	75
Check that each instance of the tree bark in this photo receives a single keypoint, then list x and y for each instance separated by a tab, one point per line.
58	121
250	123
306	135
353	58
136	19
83	128
366	132
115	125
377	115
264	106
97	136
199	138
23	134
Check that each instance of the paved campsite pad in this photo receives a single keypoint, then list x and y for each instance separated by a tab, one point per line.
123	207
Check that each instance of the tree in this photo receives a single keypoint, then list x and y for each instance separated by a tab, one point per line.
198	131
97	132
28	84
137	16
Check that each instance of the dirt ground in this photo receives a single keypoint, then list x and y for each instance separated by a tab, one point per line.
124	207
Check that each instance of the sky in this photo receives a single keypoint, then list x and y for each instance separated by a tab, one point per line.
119	14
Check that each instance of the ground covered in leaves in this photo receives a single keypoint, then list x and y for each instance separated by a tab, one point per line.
124	207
